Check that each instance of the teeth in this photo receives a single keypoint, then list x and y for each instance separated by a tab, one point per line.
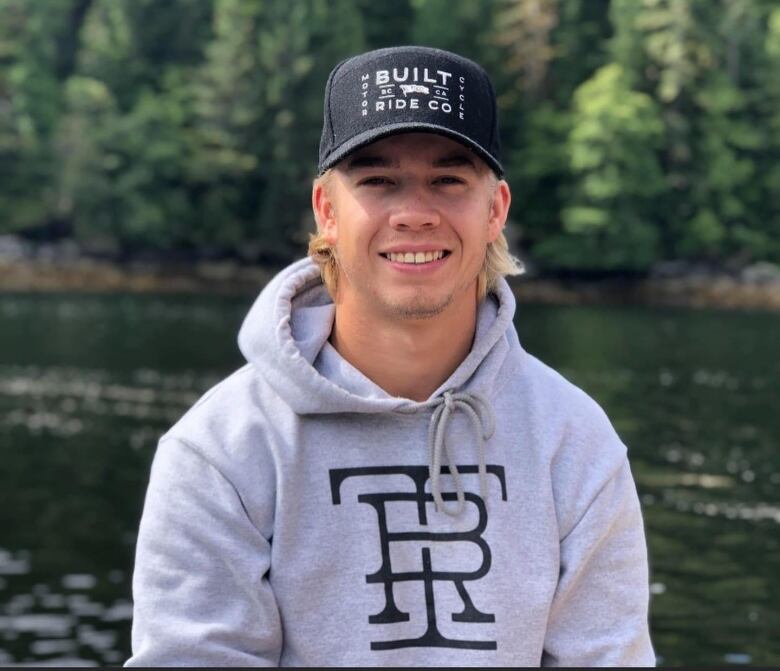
412	257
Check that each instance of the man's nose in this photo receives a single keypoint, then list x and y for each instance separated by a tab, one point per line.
414	211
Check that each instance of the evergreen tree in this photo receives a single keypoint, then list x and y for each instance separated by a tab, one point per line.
536	114
385	24
607	223
195	123
766	238
259	116
36	51
125	140
688	54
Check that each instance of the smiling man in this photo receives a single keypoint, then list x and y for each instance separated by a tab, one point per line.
392	480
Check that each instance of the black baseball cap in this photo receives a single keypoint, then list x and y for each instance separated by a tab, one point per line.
405	89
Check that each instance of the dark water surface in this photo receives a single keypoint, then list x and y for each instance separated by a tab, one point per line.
87	385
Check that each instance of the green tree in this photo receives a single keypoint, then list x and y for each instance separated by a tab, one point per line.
550	49
385	24
125	142
766	238
37	50
123	175
691	56
195	123
607	222
259	115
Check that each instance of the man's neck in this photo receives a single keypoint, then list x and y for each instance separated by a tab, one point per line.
409	358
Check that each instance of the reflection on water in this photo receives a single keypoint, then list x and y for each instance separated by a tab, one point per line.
88	384
59	623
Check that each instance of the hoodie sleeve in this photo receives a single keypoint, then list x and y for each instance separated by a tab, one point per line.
200	587
599	611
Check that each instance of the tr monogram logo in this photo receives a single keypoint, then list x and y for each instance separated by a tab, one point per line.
429	574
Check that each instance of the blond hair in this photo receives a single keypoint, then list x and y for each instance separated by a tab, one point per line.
498	262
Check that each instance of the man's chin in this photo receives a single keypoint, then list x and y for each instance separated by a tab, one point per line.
419	307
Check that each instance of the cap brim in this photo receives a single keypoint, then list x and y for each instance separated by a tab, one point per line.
367	137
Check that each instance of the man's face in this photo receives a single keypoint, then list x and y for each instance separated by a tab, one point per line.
410	218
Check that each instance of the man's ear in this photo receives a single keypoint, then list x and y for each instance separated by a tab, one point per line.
324	212
499	210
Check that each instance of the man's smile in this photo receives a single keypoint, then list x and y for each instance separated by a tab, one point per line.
415	256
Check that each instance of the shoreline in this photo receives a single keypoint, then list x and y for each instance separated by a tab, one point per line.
693	290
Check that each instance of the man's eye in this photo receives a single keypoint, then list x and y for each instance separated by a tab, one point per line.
375	181
449	179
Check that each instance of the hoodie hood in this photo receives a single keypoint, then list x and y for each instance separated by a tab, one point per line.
289	325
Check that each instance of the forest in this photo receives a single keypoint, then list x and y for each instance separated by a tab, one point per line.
635	132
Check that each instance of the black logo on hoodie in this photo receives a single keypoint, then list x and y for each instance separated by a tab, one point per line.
429	574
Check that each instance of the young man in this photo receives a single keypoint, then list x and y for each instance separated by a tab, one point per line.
392	479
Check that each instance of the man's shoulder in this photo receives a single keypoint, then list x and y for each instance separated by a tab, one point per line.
226	391
572	435
226	415
549	388
576	429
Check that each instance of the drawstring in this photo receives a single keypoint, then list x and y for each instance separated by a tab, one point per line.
476	408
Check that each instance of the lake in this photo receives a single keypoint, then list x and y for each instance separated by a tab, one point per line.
88	383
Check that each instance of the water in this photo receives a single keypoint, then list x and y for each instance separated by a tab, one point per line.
88	383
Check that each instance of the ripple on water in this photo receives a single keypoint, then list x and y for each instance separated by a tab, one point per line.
657	588
14	565
121	609
56	621
737	658
19	603
716	379
64	401
62	662
53	601
100	640
79	581
732	510
80	605
46	646
48	624
37	422
80	383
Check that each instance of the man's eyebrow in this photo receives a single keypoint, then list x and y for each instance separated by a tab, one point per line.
369	161
455	161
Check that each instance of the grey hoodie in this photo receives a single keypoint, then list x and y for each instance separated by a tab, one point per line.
298	515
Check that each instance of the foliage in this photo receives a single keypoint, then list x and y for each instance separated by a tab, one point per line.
634	131
607	223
